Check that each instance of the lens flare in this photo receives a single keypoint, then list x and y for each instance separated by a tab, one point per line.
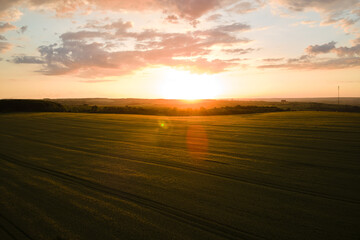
197	142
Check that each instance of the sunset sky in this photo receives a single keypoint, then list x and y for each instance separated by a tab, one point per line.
179	48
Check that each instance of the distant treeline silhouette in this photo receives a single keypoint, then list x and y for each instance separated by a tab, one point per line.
314	106
27	105
49	106
174	111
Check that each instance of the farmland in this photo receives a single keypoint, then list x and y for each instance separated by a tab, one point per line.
285	175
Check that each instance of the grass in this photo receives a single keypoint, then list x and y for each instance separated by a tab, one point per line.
287	175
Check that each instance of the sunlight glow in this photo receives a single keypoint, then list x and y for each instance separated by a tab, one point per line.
185	85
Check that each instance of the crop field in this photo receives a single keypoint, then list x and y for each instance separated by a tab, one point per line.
286	175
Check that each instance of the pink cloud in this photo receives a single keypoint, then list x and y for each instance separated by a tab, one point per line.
172	19
94	52
187	9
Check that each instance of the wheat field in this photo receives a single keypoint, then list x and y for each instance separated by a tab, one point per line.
287	175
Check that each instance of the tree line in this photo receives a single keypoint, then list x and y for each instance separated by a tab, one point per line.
25	105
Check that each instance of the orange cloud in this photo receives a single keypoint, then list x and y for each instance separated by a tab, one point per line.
4	27
187	9
5	46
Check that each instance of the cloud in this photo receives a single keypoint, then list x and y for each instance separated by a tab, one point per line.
202	65
317	49
7	4
348	51
88	60
348	57
5	46
172	19
81	35
186	9
243	7
330	47
327	64
272	59
27	60
23	29
330	6
97	81
302	59
307	22
235	27
239	50
338	12
4	27
74	55
120	26
356	41
214	17
96	51
9	14
193	9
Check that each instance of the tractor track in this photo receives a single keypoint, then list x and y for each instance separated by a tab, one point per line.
12	230
208	225
197	170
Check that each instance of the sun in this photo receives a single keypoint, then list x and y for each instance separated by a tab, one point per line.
178	84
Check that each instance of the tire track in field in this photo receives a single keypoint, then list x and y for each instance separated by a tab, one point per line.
226	154
214	227
249	126
241	127
261	143
196	170
217	153
7	232
13	230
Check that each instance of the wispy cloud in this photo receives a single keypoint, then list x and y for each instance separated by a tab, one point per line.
23	29
342	13
27	60
348	57
4	27
272	59
335	63
243	7
5	46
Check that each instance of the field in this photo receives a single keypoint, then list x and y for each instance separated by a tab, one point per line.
287	175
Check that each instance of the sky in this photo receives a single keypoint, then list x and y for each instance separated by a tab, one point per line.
179	48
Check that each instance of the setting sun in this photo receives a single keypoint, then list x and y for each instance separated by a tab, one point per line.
186	85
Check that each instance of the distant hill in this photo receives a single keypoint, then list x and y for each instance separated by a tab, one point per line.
355	101
25	105
167	106
206	103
